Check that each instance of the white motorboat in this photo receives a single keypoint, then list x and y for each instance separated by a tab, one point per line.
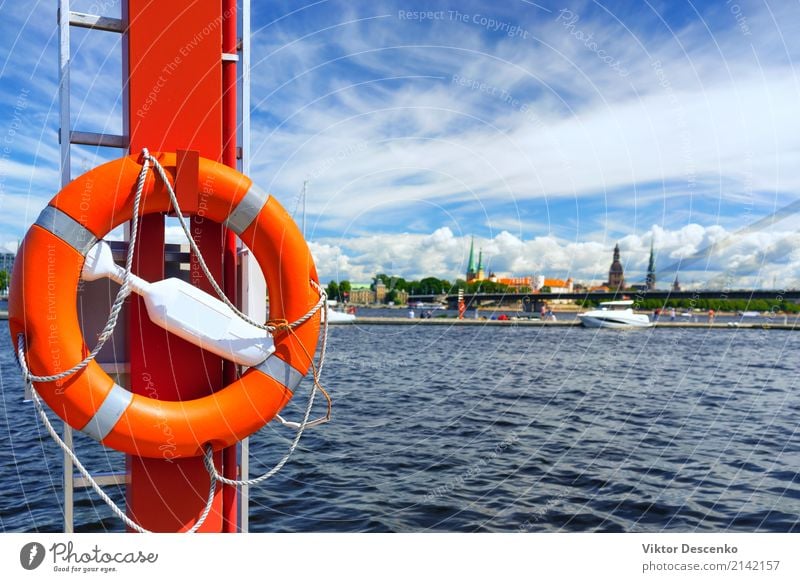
334	316
616	315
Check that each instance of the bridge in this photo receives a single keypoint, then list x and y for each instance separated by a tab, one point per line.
533	301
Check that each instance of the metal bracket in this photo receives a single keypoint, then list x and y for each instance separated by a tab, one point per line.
98	139
102	479
95	22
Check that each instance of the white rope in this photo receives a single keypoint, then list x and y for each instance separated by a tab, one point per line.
301	427
116	307
99	490
217	289
212	470
108	330
322	303
305	423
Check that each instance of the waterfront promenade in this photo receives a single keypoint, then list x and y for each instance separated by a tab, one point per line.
792	324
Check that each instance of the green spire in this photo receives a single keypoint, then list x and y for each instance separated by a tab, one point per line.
471	263
480	260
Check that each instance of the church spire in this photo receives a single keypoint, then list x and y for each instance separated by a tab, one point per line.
471	271
650	282
471	263
616	276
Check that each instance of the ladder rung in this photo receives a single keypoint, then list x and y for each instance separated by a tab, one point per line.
97	139
96	22
80	482
115	367
173	252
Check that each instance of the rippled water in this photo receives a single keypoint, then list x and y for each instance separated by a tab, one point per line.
501	429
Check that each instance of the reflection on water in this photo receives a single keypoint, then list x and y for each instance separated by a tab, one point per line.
500	429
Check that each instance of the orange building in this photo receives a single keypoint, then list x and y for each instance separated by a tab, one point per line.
556	285
515	283
559	285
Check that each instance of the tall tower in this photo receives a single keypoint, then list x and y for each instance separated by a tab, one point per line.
650	281
471	272
480	275
616	277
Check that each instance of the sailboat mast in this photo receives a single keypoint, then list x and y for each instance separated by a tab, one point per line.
305	185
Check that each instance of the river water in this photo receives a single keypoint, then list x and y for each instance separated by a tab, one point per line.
462	429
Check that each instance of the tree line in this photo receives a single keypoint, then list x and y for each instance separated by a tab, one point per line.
435	286
427	286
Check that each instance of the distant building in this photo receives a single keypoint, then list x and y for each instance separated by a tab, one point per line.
650	280
361	295
475	273
472	272
616	276
515	283
580	287
555	285
676	285
375	293
380	291
7	262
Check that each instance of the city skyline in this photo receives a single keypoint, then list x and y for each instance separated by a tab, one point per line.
639	271
616	279
550	131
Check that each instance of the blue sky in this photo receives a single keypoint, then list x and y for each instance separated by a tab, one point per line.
549	131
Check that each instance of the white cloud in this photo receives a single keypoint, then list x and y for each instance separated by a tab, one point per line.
552	120
756	259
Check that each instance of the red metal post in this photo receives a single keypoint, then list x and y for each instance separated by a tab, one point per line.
186	180
174	74
230	461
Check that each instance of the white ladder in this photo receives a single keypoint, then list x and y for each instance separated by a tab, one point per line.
68	137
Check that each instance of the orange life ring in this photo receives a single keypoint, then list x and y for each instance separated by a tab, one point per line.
43	307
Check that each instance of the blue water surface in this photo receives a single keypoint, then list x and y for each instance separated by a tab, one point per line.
518	429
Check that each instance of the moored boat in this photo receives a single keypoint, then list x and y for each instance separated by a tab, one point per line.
615	315
334	316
